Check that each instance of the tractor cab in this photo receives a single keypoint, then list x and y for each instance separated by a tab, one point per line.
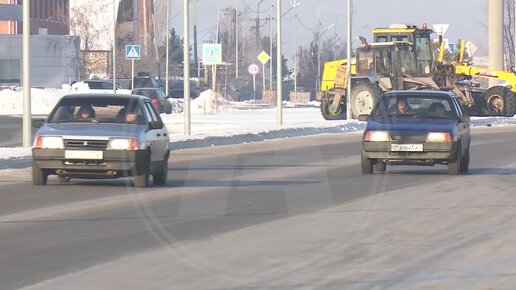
419	37
386	63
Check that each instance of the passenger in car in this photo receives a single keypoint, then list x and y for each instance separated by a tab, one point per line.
437	110
85	113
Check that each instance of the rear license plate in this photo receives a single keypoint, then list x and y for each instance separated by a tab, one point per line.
84	154
407	147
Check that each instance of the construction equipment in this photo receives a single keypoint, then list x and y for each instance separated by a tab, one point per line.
401	58
391	62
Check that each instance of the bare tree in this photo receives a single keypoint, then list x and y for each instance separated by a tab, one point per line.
508	29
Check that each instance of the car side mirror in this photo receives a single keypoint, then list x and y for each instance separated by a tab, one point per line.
363	118
155	125
38	123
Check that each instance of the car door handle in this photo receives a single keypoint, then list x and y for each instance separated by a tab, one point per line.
165	134
159	135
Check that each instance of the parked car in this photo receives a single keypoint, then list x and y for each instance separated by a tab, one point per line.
416	128
145	80
103	86
102	136
177	91
159	100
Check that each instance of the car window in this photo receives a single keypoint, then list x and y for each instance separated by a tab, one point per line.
154	113
95	110
422	106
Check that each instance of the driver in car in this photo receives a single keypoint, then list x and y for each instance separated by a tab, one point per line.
402	107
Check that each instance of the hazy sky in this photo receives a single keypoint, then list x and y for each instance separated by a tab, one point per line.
467	18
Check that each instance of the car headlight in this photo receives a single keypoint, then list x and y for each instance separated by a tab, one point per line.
376	136
438	137
122	144
49	142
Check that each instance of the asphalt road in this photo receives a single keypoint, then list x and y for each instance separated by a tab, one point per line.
284	214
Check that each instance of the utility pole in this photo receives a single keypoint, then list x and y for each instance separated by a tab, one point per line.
196	59
114	47
27	115
295	45
186	68
279	77
270	47
348	65
496	54
236	39
258	26
214	67
167	61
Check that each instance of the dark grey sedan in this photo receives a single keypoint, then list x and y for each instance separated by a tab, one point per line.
158	98
416	128
102	136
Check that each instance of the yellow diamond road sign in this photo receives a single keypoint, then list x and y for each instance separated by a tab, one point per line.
263	57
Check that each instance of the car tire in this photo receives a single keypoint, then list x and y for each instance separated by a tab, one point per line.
454	165
160	178
464	163
367	164
380	166
39	176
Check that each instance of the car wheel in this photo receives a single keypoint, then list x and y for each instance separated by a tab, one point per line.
464	163
367	164
454	165
160	178
380	166
39	176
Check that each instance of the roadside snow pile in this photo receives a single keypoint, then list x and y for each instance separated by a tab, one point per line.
177	105
209	102
43	101
14	152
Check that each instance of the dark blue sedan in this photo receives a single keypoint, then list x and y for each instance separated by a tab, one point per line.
416	128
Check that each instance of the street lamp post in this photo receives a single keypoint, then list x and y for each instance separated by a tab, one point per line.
348	66
27	134
279	71
294	4
114	47
186	68
236	39
167	39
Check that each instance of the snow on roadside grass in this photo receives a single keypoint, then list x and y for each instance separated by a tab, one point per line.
14	152
43	101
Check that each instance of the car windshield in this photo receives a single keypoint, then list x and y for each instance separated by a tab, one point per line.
143	83
96	110
420	106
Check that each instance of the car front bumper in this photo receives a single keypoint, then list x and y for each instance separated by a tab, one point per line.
114	163
432	152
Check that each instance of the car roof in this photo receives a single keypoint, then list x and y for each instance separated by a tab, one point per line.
103	96
146	88
423	93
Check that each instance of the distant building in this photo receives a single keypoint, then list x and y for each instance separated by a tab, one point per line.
47	17
55	54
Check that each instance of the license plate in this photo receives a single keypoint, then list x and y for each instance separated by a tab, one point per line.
84	154
407	147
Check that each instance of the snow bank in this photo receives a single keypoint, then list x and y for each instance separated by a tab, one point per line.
14	152
42	101
209	102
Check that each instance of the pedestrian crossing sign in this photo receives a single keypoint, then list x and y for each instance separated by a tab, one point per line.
132	52
212	53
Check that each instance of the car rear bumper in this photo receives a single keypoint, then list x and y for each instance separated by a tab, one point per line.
113	164
431	152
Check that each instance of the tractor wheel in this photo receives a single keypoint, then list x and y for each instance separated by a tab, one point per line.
329	113
363	98
500	101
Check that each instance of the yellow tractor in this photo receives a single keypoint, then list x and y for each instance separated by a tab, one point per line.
399	59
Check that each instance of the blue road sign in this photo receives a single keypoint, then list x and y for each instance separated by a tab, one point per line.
452	47
132	52
211	54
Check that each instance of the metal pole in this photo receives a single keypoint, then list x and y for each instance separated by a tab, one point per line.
279	77
236	39
132	74
295	46
196	59
496	55
263	77
114	47
167	61
214	85
27	134
348	66
270	47
186	68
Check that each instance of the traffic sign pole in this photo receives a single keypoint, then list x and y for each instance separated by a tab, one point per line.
132	74
263	76
254	88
